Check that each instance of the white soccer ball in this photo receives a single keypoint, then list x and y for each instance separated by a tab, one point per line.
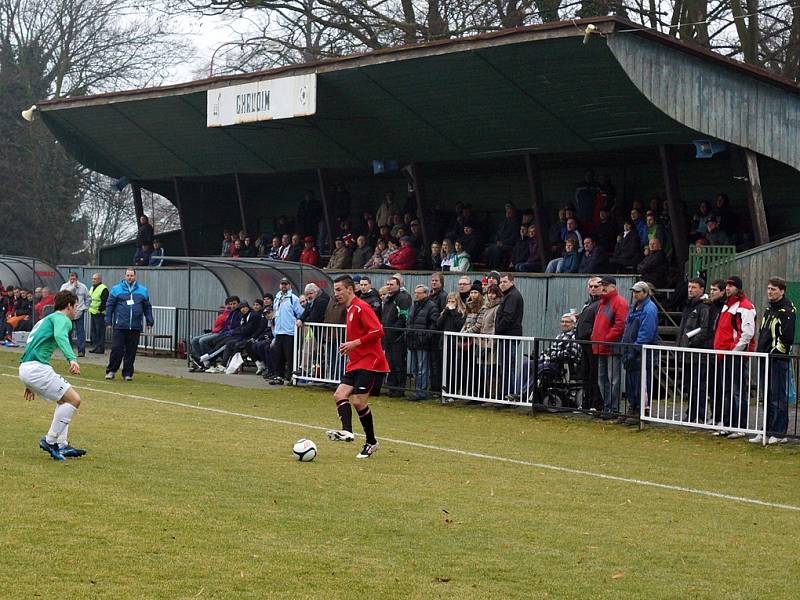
304	450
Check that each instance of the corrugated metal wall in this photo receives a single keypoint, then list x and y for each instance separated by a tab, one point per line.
166	286
546	297
780	258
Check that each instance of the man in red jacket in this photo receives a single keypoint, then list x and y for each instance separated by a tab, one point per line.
406	257
47	300
736	330
310	254
609	325
366	365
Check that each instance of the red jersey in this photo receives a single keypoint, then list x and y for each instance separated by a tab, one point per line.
363	324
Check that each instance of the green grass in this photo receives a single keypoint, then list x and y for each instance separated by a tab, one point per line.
172	502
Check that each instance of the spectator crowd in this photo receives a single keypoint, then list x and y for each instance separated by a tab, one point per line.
596	348
594	233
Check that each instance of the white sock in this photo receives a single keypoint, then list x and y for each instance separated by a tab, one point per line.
62	439
61	419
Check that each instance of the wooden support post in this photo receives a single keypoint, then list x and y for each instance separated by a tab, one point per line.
755	199
241	202
137	202
677	215
325	208
181	216
537	203
419	194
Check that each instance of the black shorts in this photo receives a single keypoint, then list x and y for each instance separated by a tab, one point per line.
363	381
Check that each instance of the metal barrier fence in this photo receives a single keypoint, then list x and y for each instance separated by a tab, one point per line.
164	324
489	368
194	322
316	353
709	389
171	326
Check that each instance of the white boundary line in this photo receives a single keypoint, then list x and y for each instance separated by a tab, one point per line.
456	451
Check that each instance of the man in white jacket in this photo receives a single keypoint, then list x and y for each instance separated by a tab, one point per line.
84	299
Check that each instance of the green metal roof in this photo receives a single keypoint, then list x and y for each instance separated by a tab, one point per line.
533	90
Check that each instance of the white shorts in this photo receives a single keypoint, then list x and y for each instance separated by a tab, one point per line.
43	380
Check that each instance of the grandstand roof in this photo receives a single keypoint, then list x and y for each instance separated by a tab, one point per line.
531	90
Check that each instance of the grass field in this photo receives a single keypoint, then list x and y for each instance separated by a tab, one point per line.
177	502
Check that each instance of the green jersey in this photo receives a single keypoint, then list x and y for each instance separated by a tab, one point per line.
48	333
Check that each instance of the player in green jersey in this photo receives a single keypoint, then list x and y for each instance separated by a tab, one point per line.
39	377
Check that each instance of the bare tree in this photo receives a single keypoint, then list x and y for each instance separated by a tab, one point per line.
754	31
55	49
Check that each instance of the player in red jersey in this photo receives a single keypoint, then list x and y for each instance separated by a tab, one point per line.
365	367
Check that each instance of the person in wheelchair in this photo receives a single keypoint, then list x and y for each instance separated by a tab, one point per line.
555	366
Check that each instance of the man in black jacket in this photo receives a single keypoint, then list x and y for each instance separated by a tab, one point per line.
512	306
246	326
595	259
695	332
628	250
716	302
508	321
316	302
438	296
654	269
394	318
592	398
309	214
369	294
775	337
421	321
295	250
498	252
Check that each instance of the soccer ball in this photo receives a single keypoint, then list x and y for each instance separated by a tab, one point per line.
304	450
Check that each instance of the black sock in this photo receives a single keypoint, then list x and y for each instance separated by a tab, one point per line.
345	414
365	415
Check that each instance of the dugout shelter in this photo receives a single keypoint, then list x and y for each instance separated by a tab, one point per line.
29	273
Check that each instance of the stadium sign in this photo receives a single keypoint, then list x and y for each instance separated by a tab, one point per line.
281	98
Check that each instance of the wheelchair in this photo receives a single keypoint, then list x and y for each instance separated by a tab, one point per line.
559	385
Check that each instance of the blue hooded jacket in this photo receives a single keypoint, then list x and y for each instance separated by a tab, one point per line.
287	310
641	326
121	314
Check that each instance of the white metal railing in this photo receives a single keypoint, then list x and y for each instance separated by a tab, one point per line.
163	324
488	368
708	389
316	353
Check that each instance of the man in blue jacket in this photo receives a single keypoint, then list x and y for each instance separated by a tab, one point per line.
287	309
127	306
641	327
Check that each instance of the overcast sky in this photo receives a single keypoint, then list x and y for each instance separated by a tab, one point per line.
207	34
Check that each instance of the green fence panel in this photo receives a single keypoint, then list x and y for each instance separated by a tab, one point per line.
715	262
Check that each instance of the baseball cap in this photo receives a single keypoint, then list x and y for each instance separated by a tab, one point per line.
735	281
285	280
608	280
309	238
406	238
640	286
509	205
